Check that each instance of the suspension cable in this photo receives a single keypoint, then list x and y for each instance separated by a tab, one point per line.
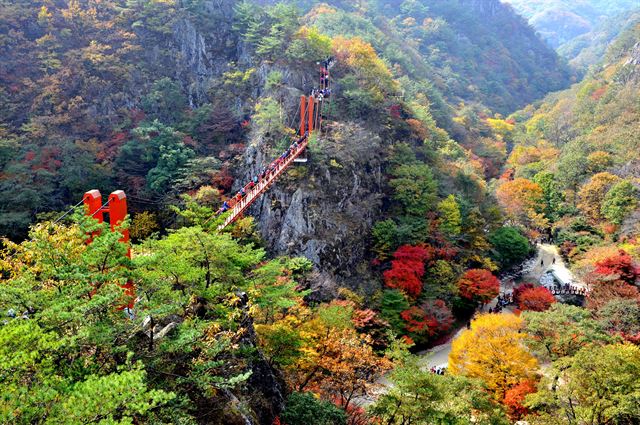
100	209
68	212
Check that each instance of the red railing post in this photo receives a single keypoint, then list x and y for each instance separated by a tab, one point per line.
93	208
310	114
117	215
303	104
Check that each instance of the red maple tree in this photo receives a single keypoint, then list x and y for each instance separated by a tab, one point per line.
407	268
418	321
535	299
479	285
518	290
442	314
620	265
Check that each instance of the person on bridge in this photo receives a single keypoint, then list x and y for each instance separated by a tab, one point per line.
224	208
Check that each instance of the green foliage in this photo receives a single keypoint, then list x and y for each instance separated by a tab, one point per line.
194	260
116	398
383	233
510	246
309	45
305	409
281	344
562	331
620	201
74	356
393	303
419	396
157	153
165	101
598	382
270	30
46	346
451	220
553	196
269	117
273	286
415	188
620	315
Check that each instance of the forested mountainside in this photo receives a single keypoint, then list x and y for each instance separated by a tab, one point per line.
471	51
581	147
416	210
589	49
84	82
560	21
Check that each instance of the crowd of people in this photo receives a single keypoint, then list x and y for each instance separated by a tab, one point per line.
264	174
320	94
506	299
324	91
567	289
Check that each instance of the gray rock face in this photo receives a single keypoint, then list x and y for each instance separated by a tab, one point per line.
202	54
324	209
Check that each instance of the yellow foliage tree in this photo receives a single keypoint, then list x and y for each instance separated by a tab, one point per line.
540	152
370	70
593	192
493	351
143	225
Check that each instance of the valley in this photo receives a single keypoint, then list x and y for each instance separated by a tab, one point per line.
313	205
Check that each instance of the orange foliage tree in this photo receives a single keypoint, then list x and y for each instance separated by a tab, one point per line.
514	398
335	360
592	194
479	285
343	365
523	201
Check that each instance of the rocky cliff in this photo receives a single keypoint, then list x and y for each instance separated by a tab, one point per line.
324	209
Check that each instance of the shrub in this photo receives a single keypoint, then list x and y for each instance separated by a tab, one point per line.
305	409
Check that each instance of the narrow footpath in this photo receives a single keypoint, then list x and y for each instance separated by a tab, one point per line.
532	270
